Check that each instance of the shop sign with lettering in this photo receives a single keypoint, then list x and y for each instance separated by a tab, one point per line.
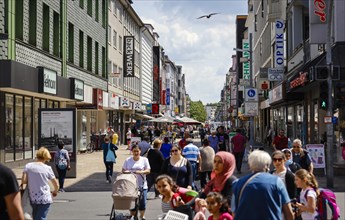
299	80
279	39
77	89
246	66
48	80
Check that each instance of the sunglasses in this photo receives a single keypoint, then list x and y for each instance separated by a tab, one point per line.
277	159
172	151
296	147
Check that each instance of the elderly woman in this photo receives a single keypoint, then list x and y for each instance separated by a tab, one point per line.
283	173
156	160
301	156
140	166
261	190
178	168
221	177
37	176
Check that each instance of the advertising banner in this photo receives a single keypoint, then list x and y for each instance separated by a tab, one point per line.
318	19
279	39
156	74
58	125
246	66
317	155
128	56
168	96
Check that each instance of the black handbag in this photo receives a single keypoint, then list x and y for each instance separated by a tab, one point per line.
187	210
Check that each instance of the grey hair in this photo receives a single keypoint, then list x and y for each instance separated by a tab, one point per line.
259	161
297	141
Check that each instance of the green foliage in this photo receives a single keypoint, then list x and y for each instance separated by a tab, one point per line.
197	111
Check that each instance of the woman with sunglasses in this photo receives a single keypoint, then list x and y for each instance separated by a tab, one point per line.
301	156
284	174
178	168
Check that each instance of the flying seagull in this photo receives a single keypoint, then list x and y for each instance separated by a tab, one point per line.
207	16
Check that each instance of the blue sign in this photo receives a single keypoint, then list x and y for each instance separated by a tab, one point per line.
148	108
251	93
334	120
167	101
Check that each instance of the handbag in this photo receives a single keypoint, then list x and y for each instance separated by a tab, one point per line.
110	155
26	204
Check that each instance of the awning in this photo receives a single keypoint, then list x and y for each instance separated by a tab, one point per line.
143	116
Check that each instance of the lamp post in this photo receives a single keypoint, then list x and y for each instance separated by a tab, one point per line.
250	51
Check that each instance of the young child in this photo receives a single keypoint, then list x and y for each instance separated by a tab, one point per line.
307	199
167	188
200	209
217	207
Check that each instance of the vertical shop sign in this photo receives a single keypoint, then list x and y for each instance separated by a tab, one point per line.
156	73
318	19
279	39
168	96
246	66
128	56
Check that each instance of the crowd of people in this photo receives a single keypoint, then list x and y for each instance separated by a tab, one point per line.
169	167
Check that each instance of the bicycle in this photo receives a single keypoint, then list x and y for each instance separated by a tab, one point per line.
90	148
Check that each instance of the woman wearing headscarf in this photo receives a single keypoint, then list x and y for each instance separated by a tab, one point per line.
221	177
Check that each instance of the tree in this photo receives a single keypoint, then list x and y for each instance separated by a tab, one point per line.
197	111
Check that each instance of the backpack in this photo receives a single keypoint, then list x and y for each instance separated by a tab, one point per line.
326	201
61	162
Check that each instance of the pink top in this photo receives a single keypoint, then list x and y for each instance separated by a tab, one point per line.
224	216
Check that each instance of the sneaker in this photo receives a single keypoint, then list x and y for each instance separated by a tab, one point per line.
107	181
61	190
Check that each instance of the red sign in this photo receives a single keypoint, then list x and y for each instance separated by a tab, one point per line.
320	6
98	98
155	108
300	80
264	85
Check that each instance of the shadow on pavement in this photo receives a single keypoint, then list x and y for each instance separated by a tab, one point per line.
95	182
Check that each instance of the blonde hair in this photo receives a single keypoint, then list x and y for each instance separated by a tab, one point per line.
43	154
157	143
308	178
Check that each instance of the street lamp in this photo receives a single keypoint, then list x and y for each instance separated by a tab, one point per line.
245	59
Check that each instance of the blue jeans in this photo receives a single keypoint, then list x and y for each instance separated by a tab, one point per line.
40	211
142	202
194	170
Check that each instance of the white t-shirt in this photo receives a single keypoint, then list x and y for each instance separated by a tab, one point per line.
39	175
281	175
129	135
311	193
141	164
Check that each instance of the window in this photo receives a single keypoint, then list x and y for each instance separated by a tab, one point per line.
109	5
103	13
120	15
97	10
18	140
81	4
70	42
81	49
45	27
56	34
120	44
19	19
115	79
89	7
103	62
32	22
28	127
109	34
114	8
9	127
109	67
89	53
114	39
96	58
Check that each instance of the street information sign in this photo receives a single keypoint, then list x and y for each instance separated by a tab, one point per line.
251	95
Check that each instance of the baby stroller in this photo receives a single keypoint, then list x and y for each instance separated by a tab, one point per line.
126	196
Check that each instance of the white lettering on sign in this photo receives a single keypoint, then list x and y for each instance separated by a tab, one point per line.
279	39
246	66
128	57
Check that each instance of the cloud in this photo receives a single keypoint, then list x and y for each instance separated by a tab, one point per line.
203	47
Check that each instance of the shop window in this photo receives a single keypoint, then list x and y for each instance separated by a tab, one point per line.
71	42
56	104
28	128
89	53
45	28
316	123
18	128
9	128
19	19
103	14
35	131
43	103
104	69
96	59
32	22
50	104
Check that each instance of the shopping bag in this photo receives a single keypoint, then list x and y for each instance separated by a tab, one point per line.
26	204
110	155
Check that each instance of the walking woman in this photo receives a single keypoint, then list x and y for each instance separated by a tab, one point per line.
62	162
109	159
37	176
140	166
178	168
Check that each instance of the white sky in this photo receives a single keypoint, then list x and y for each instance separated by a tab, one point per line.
203	47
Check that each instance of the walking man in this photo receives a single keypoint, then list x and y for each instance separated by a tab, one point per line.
239	147
192	154
280	142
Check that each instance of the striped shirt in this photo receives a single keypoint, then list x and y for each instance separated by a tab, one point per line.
166	206
191	152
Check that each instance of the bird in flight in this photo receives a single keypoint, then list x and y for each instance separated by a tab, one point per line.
207	16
